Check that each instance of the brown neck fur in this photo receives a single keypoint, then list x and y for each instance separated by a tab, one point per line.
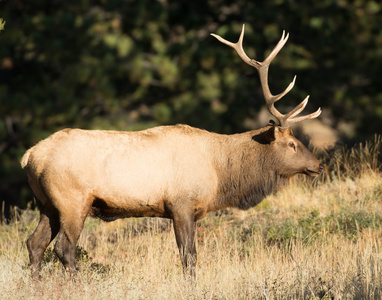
249	174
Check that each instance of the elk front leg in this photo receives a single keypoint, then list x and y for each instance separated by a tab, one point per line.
184	227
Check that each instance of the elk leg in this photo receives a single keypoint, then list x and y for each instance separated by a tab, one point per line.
37	243
184	227
65	247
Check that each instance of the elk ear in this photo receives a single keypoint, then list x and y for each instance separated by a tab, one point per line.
288	131
268	136
277	132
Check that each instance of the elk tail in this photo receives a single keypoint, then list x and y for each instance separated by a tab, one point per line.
25	159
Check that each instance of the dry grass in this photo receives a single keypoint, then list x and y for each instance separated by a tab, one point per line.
312	240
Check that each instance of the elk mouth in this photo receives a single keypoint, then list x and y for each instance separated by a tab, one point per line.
314	172
311	172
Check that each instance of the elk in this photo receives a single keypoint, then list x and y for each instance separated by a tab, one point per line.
176	172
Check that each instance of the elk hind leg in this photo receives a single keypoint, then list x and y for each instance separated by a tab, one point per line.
37	243
65	247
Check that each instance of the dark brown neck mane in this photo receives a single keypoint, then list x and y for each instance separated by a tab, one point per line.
249	174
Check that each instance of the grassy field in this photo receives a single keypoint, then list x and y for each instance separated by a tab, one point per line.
316	239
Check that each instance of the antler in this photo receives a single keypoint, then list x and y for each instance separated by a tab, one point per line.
262	68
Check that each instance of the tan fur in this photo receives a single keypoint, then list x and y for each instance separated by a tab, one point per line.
126	169
176	172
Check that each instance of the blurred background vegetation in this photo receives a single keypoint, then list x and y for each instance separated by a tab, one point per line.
129	65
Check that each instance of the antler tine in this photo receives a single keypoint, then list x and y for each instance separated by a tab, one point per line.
262	68
307	117
299	108
276	98
290	117
277	48
238	46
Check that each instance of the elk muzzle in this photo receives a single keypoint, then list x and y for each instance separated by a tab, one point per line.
315	170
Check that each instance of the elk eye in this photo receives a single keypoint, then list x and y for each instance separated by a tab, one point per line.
292	145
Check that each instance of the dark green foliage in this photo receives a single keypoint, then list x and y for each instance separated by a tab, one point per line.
128	65
312	226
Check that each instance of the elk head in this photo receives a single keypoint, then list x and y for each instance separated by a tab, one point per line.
286	145
288	149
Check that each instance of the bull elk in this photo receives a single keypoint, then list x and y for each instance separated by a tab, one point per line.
176	172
